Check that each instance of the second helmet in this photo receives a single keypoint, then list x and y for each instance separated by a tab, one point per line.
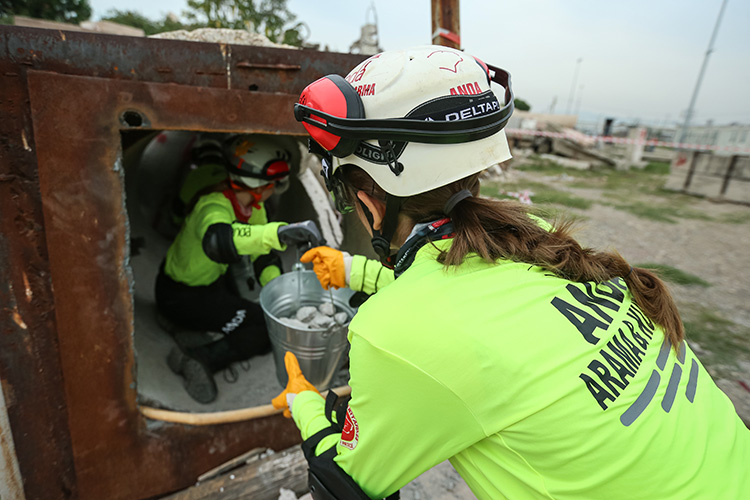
257	160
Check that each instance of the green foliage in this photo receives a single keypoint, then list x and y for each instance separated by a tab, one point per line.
550	168
674	275
137	20
270	18
170	24
68	11
521	105
132	18
734	218
639	192
659	168
724	342
542	194
662	211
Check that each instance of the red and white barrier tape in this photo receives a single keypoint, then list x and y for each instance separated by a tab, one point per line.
579	137
448	35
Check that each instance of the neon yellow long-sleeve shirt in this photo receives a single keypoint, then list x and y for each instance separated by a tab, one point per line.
368	275
187	262
534	387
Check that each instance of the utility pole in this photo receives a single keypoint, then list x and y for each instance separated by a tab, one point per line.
578	101
689	112
446	23
573	86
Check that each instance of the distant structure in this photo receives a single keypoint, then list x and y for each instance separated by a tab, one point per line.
727	138
368	43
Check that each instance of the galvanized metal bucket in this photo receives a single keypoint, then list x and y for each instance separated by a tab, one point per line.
318	350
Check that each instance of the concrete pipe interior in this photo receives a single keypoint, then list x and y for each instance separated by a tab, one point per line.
154	163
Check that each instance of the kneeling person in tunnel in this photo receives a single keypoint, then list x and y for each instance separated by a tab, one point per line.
225	222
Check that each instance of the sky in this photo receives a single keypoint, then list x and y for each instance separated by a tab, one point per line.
635	60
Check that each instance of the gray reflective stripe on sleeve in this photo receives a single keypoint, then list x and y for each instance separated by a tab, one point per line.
674	381
661	361
692	381
643	400
681	352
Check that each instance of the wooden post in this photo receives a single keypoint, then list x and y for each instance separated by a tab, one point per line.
446	23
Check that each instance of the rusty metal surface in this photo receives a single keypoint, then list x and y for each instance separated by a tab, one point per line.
242	67
66	347
29	361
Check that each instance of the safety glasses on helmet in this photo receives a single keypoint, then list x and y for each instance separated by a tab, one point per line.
333	181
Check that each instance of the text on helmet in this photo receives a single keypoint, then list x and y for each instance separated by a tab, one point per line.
477	110
466	89
363	90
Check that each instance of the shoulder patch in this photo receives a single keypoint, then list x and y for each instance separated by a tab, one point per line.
350	434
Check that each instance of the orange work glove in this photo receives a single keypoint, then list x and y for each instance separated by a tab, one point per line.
296	384
328	264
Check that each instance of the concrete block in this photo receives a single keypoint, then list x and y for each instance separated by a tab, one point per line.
676	180
705	185
738	190
678	170
716	166
741	169
568	162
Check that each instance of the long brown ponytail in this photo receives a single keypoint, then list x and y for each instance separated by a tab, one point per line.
499	229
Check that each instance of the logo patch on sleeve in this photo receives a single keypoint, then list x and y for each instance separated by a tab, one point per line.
350	434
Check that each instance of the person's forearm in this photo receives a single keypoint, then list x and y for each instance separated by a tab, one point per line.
367	275
308	412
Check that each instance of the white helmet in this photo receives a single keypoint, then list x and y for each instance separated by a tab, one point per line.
257	160
413	119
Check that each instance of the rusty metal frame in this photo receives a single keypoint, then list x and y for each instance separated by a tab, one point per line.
66	323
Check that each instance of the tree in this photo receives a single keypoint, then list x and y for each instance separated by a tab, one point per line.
132	18
6	14
68	11
271	18
137	20
521	105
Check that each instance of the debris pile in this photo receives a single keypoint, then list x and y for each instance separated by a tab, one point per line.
222	35
323	316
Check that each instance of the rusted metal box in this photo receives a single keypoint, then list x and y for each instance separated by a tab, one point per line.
66	323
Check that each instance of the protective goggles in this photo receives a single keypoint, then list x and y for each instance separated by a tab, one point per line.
272	170
332	112
334	183
240	186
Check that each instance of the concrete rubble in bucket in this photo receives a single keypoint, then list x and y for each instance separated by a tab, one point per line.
311	317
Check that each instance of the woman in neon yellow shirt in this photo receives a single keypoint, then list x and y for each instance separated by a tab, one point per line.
540	369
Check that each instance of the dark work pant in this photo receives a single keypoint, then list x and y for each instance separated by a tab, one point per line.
215	308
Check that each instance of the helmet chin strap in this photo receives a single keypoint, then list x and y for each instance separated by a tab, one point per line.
381	240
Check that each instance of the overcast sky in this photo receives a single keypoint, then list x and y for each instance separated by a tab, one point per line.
640	59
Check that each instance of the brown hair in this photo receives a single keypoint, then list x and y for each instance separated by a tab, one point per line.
499	229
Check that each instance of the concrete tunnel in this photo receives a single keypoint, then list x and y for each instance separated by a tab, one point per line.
153	167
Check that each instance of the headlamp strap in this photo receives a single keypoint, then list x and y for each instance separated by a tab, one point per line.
381	239
389	151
